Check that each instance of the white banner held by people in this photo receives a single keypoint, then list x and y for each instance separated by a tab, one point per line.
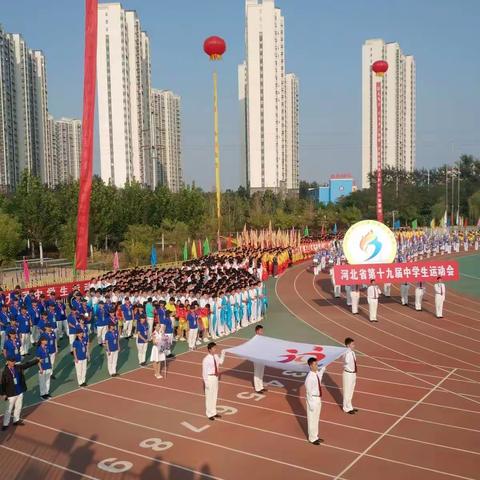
284	354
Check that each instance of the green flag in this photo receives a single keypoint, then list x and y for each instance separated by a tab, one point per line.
185	252
206	247
415	224
306	232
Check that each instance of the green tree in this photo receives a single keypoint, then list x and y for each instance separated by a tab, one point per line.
138	242
10	238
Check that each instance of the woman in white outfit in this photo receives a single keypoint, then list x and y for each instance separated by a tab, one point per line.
157	355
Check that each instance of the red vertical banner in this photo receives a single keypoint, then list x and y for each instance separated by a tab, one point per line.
86	165
379	152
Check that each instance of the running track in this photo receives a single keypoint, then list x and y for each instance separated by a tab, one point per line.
418	392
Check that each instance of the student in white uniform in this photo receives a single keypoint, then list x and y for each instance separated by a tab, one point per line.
336	288
387	287
314	399
404	289
355	294
349	376
348	295
210	373
439	289
258	368
373	293
419	292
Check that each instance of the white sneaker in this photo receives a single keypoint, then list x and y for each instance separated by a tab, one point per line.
182	339
158	376
198	342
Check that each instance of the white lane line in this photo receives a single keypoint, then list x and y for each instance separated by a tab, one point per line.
47	462
386	432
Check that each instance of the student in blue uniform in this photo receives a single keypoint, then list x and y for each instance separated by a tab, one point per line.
34	313
127	312
85	312
167	329
42	323
192	326
44	367
112	349
52	319
14	309
72	322
80	358
101	320
4	322
61	313
12	346
24	329
142	339
51	344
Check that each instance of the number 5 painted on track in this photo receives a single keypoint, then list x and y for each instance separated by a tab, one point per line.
288	373
156	444
250	396
112	465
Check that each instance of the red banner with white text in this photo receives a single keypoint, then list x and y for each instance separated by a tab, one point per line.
396	272
60	289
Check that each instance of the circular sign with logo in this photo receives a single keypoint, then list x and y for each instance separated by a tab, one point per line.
369	241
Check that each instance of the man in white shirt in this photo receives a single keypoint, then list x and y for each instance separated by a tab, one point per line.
210	372
373	292
419	292
336	288
439	289
258	368
404	288
314	399
349	376
355	295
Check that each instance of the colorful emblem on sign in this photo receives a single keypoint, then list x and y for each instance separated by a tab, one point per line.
292	355
369	241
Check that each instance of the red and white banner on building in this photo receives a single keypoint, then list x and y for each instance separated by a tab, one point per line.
395	272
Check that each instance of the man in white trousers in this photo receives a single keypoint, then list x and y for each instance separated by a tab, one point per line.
373	293
210	373
355	294
314	399
12	388
404	289
142	340
80	358
192	327
348	295
258	368
337	289
112	349
419	292
44	367
439	289
349	376
387	288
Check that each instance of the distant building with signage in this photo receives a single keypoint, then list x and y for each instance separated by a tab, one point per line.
339	185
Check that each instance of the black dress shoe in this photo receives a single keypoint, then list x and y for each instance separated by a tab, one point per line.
53	377
19	423
217	416
48	395
143	364
318	441
211	418
4	427
351	412
355	410
45	397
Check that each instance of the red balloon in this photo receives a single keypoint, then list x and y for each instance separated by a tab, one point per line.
380	67
214	47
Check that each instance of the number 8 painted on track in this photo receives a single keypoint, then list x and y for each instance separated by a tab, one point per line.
156	444
112	465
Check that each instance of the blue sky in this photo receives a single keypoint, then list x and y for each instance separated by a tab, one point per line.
323	47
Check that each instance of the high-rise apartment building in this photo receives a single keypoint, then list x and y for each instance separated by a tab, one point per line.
66	141
23	114
166	139
292	131
123	83
398	109
262	93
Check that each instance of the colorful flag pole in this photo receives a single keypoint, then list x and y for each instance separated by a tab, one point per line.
86	164
153	256
116	262
185	252
26	271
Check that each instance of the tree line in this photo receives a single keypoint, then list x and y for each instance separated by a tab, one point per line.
134	217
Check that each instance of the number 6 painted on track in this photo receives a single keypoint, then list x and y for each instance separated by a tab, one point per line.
156	444
112	465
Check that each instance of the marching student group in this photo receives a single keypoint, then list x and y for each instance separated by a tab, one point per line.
201	301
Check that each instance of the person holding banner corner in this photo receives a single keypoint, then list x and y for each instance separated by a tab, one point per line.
314	399
258	368
349	376
211	374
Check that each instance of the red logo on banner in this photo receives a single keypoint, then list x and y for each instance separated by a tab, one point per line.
294	356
